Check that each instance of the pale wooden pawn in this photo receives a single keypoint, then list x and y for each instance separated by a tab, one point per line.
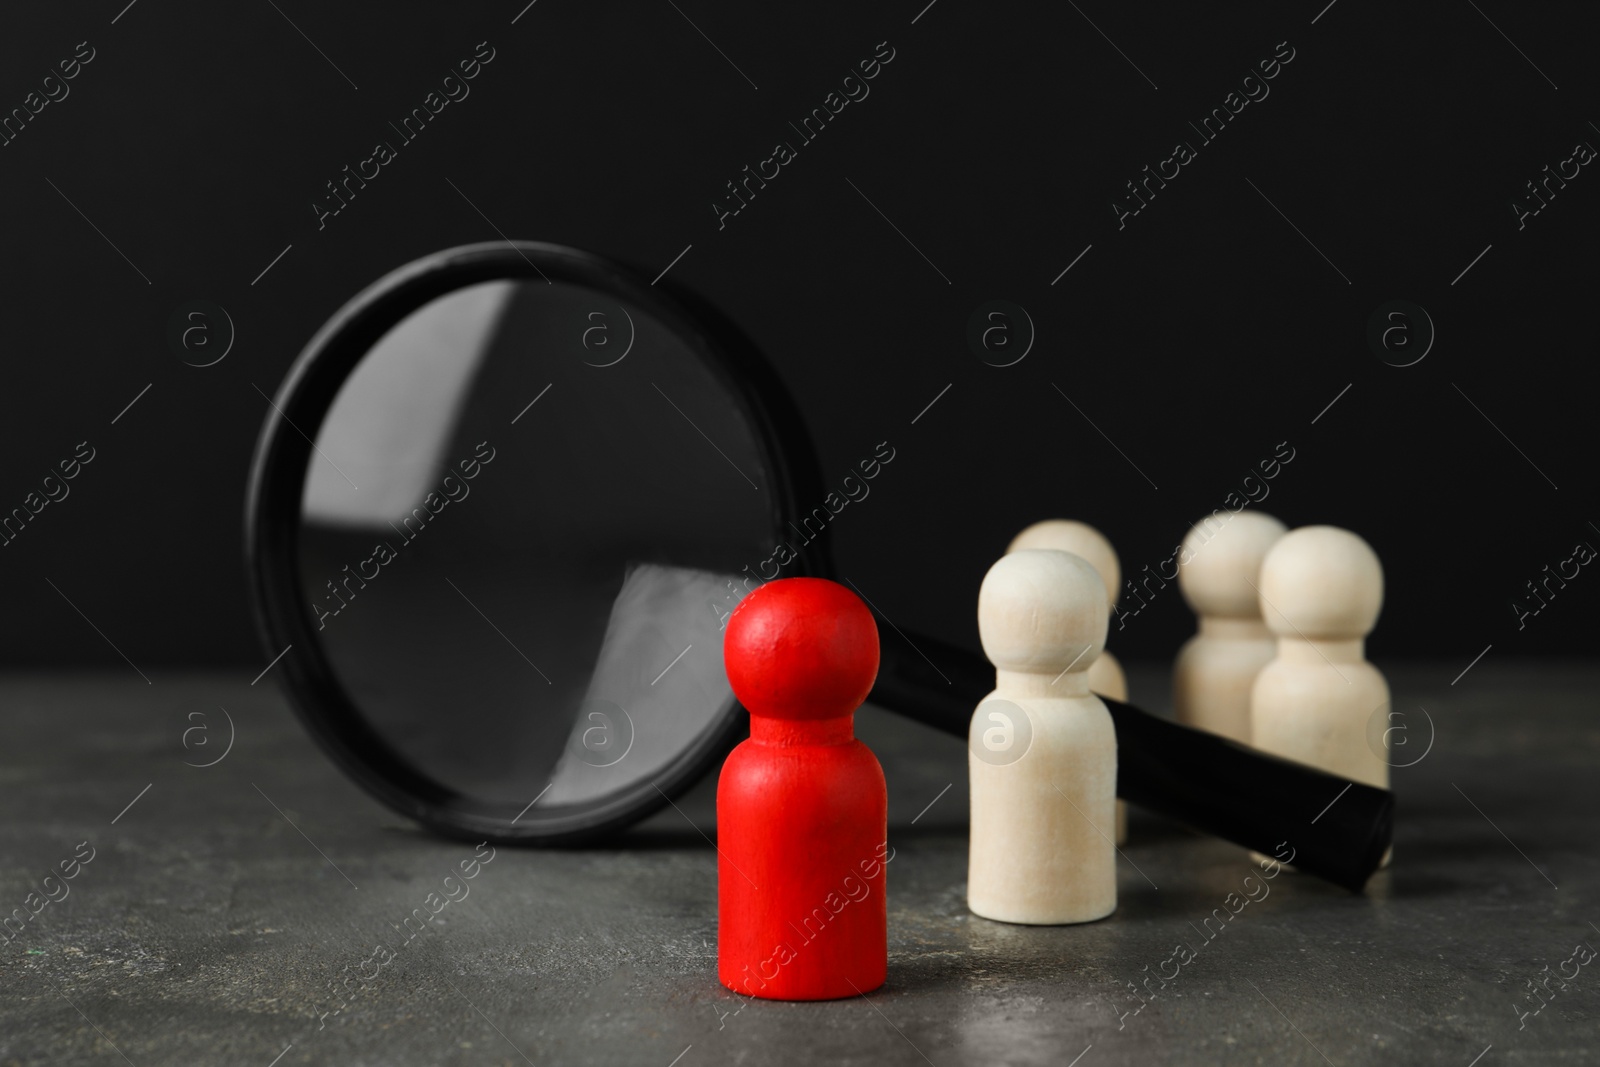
1106	676
1321	589
1042	752
1219	571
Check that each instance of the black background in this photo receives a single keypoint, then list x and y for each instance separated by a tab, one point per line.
1196	338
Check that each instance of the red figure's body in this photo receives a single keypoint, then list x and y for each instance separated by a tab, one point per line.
802	813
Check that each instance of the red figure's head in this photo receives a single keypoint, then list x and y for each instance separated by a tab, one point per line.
801	648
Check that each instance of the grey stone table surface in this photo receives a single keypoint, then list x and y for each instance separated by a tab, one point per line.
219	910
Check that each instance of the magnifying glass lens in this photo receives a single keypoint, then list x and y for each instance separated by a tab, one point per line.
521	526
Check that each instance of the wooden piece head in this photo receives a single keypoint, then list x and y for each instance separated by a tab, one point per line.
1321	582
1083	541
1219	566
1042	611
801	648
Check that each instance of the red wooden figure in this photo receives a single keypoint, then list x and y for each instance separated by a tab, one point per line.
802	812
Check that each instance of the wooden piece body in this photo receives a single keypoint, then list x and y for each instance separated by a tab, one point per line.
802	823
1315	709
1215	672
1041	849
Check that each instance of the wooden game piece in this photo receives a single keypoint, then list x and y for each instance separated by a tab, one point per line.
1219	569
1106	676
1321	591
1042	753
802	811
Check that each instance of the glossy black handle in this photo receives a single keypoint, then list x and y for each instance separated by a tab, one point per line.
1338	830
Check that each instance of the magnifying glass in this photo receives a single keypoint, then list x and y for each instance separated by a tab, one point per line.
499	511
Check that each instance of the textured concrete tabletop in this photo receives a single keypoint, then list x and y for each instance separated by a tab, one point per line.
225	916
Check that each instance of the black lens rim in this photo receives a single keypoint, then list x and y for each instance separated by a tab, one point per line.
277	482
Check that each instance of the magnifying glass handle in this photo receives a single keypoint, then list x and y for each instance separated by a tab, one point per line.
1323	824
